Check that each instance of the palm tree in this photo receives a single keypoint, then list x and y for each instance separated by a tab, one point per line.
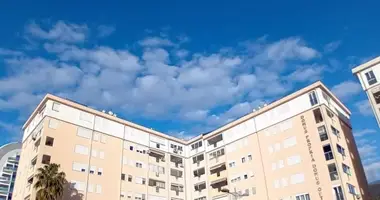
50	182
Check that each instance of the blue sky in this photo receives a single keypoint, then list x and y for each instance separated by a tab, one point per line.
184	68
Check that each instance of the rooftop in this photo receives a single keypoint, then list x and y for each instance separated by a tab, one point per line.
242	119
366	65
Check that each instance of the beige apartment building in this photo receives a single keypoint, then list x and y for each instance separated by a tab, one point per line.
299	147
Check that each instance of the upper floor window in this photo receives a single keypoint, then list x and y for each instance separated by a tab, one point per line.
313	98
318	115
371	78
346	169
338	193
335	131
322	133
303	197
376	96
56	106
196	145
217	153
351	188
341	150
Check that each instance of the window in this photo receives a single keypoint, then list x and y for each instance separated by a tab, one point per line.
376	96
289	142
138	165
103	138
98	189
317	115
292	160
297	178
94	153
53	123
80	186
96	136
81	149
303	197
131	148
100	171
84	132
328	152
84	116
346	169
129	178
322	133
79	167
335	131
49	141
101	154
123	177
338	193
243	160
330	114
341	150
56	106
313	98
249	157
253	190
370	77
196	145
351	188
333	172
46	159
245	176
280	164
92	169
232	164
157	145
90	188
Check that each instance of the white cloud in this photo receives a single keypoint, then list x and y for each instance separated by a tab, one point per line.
372	171
158	80
293	48
346	89
105	30
360	133
364	107
308	73
8	52
155	41
367	150
332	46
61	31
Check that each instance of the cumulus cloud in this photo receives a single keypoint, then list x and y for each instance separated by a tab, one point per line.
61	31
364	107
160	80
372	171
346	89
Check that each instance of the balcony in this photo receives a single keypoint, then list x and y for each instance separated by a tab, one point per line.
176	190
215	142
218	172
217	157
176	162
156	157
200	190
217	186
157	187
198	161
176	176
199	174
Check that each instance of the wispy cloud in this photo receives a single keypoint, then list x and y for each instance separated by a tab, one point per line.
360	133
105	30
346	89
364	107
332	46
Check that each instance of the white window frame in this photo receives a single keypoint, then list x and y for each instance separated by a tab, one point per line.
56	106
313	98
298	196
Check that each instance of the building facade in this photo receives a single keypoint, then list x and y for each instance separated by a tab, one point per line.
369	76
299	147
9	158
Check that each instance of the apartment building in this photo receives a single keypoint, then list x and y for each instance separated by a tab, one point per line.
299	147
9	158
369	76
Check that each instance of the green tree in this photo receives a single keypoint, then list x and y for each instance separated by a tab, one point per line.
50	182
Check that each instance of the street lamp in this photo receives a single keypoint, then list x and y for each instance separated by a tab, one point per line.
235	194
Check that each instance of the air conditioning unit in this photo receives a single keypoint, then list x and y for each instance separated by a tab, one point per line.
157	189
181	165
157	174
163	159
175	150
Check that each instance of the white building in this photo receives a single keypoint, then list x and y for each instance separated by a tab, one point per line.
369	77
9	158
